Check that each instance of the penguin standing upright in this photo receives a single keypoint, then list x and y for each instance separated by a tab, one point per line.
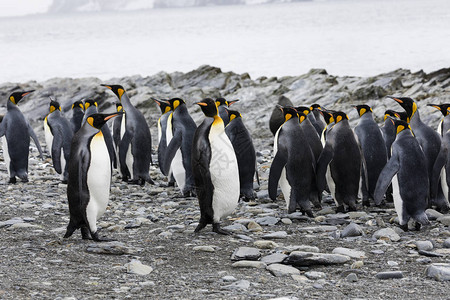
135	148
341	157
117	124
329	120
388	130
162	127
77	115
293	164
245	153
407	170
320	124
444	125
16	132
58	137
215	169
374	150
277	117
177	158
441	171
429	140
223	105
89	181
90	108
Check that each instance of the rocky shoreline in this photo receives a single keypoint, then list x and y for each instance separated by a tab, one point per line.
358	255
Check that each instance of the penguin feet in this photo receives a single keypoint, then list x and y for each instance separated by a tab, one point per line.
217	229
12	180
308	213
404	227
189	193
340	209
171	184
96	238
417	226
366	202
200	226
85	234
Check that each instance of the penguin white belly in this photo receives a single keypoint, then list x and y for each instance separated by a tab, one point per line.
285	187
48	137
444	183
6	157
169	136
398	201
129	156
179	173
63	164
331	184
159	130
98	180
224	172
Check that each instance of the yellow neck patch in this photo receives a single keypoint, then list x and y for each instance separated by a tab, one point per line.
287	117
232	117
306	112
400	128
176	103
52	109
217	120
120	93
302	118
167	109
90	121
362	111
12	99
338	119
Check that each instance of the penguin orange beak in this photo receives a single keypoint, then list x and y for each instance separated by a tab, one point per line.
112	116
107	86
26	93
232	102
396	99
201	103
435	106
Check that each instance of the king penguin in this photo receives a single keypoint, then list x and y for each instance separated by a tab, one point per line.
16	132
407	170
293	165
388	129
162	127
180	130
58	137
320	124
215	169
135	148
77	115
117	124
89	181
277	117
245	153
223	105
340	163
373	148
444	125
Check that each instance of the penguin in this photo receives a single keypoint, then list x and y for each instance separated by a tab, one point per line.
329	123
223	105
319	124
117	123
89	181
407	170
245	153
342	158
444	125
135	147
90	108
215	169
16	132
277	117
58	136
441	172
293	165
177	157
373	148
77	115
162	127
388	130
429	140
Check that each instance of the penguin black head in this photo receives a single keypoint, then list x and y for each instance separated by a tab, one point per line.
175	102
222	101
362	109
209	107
304	109
327	116
315	106
88	103
98	120
233	114
17	96
301	116
443	108
400	125
395	114
163	105
79	104
119	107
408	105
116	88
288	112
339	116
54	105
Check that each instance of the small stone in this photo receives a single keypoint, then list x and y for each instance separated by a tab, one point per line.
320	219
298	216
249	264
304	248
424	260
433	214
204	248
246	253
165	234
446	243
238	285
275	235
443	251
392	263
275	258
325	211
357	214
357	264
430	253
301	259
267	221
21	225
389	275
176	227
424	245
136	267
300	278
228	278
280	270
324	228
286	221
439	271
352	277
112	248
253	226
236	227
377	251
351	229
314	275
445	220
387	233
318	286
265	244
349	252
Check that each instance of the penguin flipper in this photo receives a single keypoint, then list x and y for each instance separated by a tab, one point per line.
385	178
321	168
276	168
439	163
35	139
56	152
171	150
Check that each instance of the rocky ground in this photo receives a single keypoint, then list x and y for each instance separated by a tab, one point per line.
271	254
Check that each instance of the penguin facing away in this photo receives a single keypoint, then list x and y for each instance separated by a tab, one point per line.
77	115
58	136
319	124
245	153
293	165
373	148
15	132
277	117
408	172
89	181
388	130
223	105
135	148
215	169
178	153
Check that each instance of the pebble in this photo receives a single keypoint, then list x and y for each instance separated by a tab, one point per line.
356	214
136	267
298	216
392	263
349	252
324	228
424	260
275	235
445	220
424	245
377	251
246	253
389	275
275	258
267	221
439	271
165	234
388	233
299	258
255	227
249	264
352	277
286	221
357	264
430	254
314	275
11	222
204	248
238	285
433	214
351	230
300	278
228	278
265	244
325	211
304	248
113	248
22	225
236	227
280	270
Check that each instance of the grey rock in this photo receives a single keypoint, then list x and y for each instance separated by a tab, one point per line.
314	275
430	253
265	244
112	248
325	211
424	245
349	252
238	285
351	229
357	214
275	258
377	251
433	214
275	235
228	278
11	222
439	271
313	229
447	243
389	275
136	267
280	270
388	233
301	259
445	220
246	253
267	221
204	248
424	260
298	216
249	264
236	227
352	277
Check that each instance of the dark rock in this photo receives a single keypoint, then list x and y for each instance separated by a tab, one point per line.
389	275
